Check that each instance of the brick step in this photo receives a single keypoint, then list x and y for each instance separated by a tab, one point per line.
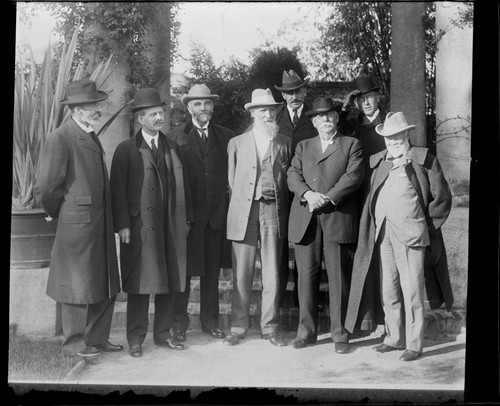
437	321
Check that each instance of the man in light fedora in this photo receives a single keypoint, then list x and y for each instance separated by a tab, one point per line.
324	176
258	211
73	186
361	113
152	214
408	202
204	147
293	122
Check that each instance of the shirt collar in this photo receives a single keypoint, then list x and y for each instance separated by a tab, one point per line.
299	110
148	137
197	126
374	116
328	141
87	129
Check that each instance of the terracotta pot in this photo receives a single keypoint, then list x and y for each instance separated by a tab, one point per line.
32	238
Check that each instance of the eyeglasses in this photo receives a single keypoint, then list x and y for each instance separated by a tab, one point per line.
362	99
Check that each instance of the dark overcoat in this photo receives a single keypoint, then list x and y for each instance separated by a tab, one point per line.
426	176
242	178
155	259
73	186
302	131
206	170
338	173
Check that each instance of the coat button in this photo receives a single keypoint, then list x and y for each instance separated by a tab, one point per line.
150	208
151	228
314	180
150	189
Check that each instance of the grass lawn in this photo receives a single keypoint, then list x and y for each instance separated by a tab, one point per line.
37	359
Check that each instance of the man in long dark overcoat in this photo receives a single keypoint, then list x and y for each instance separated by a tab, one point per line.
408	202
151	211
73	186
324	176
204	147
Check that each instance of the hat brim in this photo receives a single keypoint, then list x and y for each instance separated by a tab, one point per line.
312	113
186	99
146	106
380	130
373	89
289	89
248	106
76	100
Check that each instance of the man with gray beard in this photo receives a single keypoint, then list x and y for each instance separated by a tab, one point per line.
258	161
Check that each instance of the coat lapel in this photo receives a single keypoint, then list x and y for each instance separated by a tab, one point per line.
330	149
193	143
84	138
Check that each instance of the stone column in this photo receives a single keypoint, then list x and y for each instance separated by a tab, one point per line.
408	66
453	96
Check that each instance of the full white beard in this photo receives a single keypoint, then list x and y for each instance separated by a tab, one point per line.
270	130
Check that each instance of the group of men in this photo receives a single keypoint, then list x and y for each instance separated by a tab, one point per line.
341	181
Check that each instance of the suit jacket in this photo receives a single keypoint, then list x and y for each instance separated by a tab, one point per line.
337	173
304	129
426	177
133	166
207	176
242	177
73	186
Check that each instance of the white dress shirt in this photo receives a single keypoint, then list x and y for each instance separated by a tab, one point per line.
205	127
325	143
148	138
299	111
374	116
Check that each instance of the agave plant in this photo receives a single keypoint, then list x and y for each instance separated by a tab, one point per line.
37	110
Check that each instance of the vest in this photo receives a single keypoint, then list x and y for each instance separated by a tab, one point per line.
265	184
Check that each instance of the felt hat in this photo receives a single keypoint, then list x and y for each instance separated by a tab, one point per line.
82	92
394	123
198	92
291	81
323	105
365	84
146	97
261	98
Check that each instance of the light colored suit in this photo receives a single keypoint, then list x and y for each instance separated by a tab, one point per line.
250	221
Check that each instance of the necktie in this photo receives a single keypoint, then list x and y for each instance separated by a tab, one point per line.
390	159
295	119
154	148
203	135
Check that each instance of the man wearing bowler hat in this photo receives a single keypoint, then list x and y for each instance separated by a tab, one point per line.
408	202
258	211
361	113
324	175
204	147
73	186
293	122
152	214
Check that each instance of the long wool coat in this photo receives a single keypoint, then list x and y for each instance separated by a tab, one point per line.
73	186
207	175
155	259
426	176
338	173
242	177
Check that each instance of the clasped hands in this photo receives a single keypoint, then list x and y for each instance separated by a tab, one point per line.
315	200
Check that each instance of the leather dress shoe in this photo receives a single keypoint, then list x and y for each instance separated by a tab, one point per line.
170	344
275	339
135	351
385	348
409	355
232	339
109	347
215	332
179	335
299	343
341	348
89	352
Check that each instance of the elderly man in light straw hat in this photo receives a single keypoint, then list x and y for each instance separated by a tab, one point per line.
408	202
204	147
258	211
72	185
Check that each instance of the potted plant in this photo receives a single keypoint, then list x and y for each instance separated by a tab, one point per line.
37	112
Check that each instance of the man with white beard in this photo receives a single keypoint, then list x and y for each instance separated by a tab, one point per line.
258	161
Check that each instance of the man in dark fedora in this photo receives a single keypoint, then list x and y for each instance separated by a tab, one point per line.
204	147
292	122
152	214
361	113
325	173
258	212
73	186
408	202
